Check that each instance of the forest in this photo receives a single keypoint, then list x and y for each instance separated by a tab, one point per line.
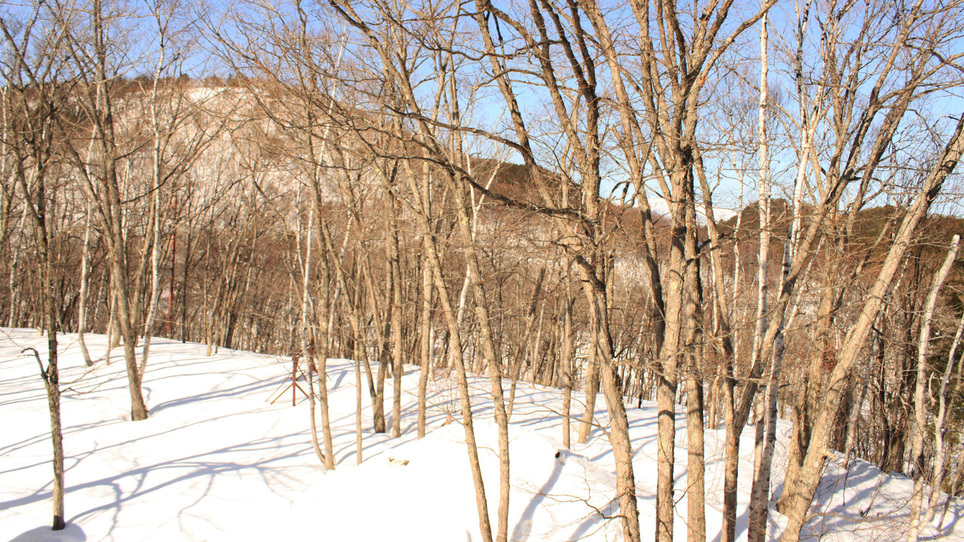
741	212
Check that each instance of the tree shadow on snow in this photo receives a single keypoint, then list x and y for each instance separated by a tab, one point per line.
522	529
195	466
72	533
862	502
249	389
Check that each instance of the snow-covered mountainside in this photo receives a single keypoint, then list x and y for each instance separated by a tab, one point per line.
218	461
660	207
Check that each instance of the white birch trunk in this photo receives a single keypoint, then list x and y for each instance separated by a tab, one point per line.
757	527
920	409
940	453
82	301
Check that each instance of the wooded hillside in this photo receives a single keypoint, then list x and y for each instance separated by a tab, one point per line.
473	187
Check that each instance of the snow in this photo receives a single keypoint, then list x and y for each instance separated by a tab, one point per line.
217	461
660	207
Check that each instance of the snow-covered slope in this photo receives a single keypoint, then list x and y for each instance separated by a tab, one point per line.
660	207
217	461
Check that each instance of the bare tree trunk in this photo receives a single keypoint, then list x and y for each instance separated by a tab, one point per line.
876	353
766	424
516	364
156	159
109	204
455	351
425	340
433	261
138	408
757	527
954	487
170	291
13	317
113	341
33	140
802	491
354	320
323	339
82	301
492	361
619	437
51	375
395	269
567	376
140	273
155	283
592	390
731	451
695	464
940	453
693	341
920	409
728	383
667	380
321	351
308	345
360	353
381	323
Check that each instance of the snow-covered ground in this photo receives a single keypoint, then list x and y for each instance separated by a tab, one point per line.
217	461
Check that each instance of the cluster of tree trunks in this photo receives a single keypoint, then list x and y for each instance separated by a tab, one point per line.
474	187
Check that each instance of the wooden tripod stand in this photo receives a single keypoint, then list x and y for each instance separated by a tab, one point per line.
295	373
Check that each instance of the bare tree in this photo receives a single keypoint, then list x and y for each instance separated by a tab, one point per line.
920	408
801	492
31	101
98	169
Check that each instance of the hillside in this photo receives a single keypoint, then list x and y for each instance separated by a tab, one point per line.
217	461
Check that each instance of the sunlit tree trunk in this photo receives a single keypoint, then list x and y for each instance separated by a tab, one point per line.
920	401
82	300
802	491
940	450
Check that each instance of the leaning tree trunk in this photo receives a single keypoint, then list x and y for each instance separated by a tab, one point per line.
455	351
802	491
433	260
619	437
492	362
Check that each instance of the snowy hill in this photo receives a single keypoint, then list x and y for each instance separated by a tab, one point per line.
660	207
217	461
